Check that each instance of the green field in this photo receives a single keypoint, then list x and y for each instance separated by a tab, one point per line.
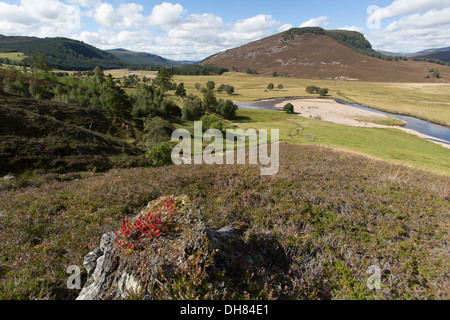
392	145
13	56
425	101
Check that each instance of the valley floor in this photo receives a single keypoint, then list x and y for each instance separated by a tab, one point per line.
335	112
427	101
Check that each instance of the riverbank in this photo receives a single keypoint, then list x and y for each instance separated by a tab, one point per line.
329	110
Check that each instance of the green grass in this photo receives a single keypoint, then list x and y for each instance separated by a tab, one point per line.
13	56
391	145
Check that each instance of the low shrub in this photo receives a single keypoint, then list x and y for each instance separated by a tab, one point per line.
160	155
210	122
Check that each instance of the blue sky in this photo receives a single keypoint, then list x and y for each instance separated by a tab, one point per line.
195	29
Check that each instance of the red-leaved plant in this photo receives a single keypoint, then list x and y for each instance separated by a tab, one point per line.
151	224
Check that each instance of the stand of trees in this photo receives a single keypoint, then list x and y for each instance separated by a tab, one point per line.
148	104
194	107
317	90
437	61
288	108
187	69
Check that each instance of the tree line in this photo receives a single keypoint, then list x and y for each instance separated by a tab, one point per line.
187	69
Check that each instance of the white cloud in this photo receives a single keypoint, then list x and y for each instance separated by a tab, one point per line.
166	14
254	24
105	14
205	23
129	16
433	18
353	28
199	36
105	39
316	22
414	32
85	3
285	27
194	37
404	7
39	18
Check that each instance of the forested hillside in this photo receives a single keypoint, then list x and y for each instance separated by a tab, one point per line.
62	53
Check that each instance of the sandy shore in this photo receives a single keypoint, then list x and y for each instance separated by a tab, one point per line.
335	112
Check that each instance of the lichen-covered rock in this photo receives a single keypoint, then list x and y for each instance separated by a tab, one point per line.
115	270
166	250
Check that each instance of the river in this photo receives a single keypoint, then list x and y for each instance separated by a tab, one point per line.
421	126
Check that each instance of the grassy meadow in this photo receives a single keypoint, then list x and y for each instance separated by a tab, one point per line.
392	145
13	56
422	100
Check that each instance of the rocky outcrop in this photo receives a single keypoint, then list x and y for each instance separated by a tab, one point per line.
116	271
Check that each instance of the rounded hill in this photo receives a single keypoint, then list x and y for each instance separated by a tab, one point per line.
314	53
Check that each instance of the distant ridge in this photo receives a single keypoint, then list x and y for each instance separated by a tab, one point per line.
442	54
6	39
315	53
392	54
188	62
142	58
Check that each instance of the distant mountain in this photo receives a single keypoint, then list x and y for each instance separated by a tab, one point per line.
62	53
142	58
6	39
188	62
392	54
315	53
442	54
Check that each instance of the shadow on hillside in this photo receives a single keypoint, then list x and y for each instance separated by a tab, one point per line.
242	119
260	260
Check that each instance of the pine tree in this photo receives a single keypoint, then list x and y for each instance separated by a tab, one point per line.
163	79
115	100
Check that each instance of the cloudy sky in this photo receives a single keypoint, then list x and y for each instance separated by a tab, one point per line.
195	29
